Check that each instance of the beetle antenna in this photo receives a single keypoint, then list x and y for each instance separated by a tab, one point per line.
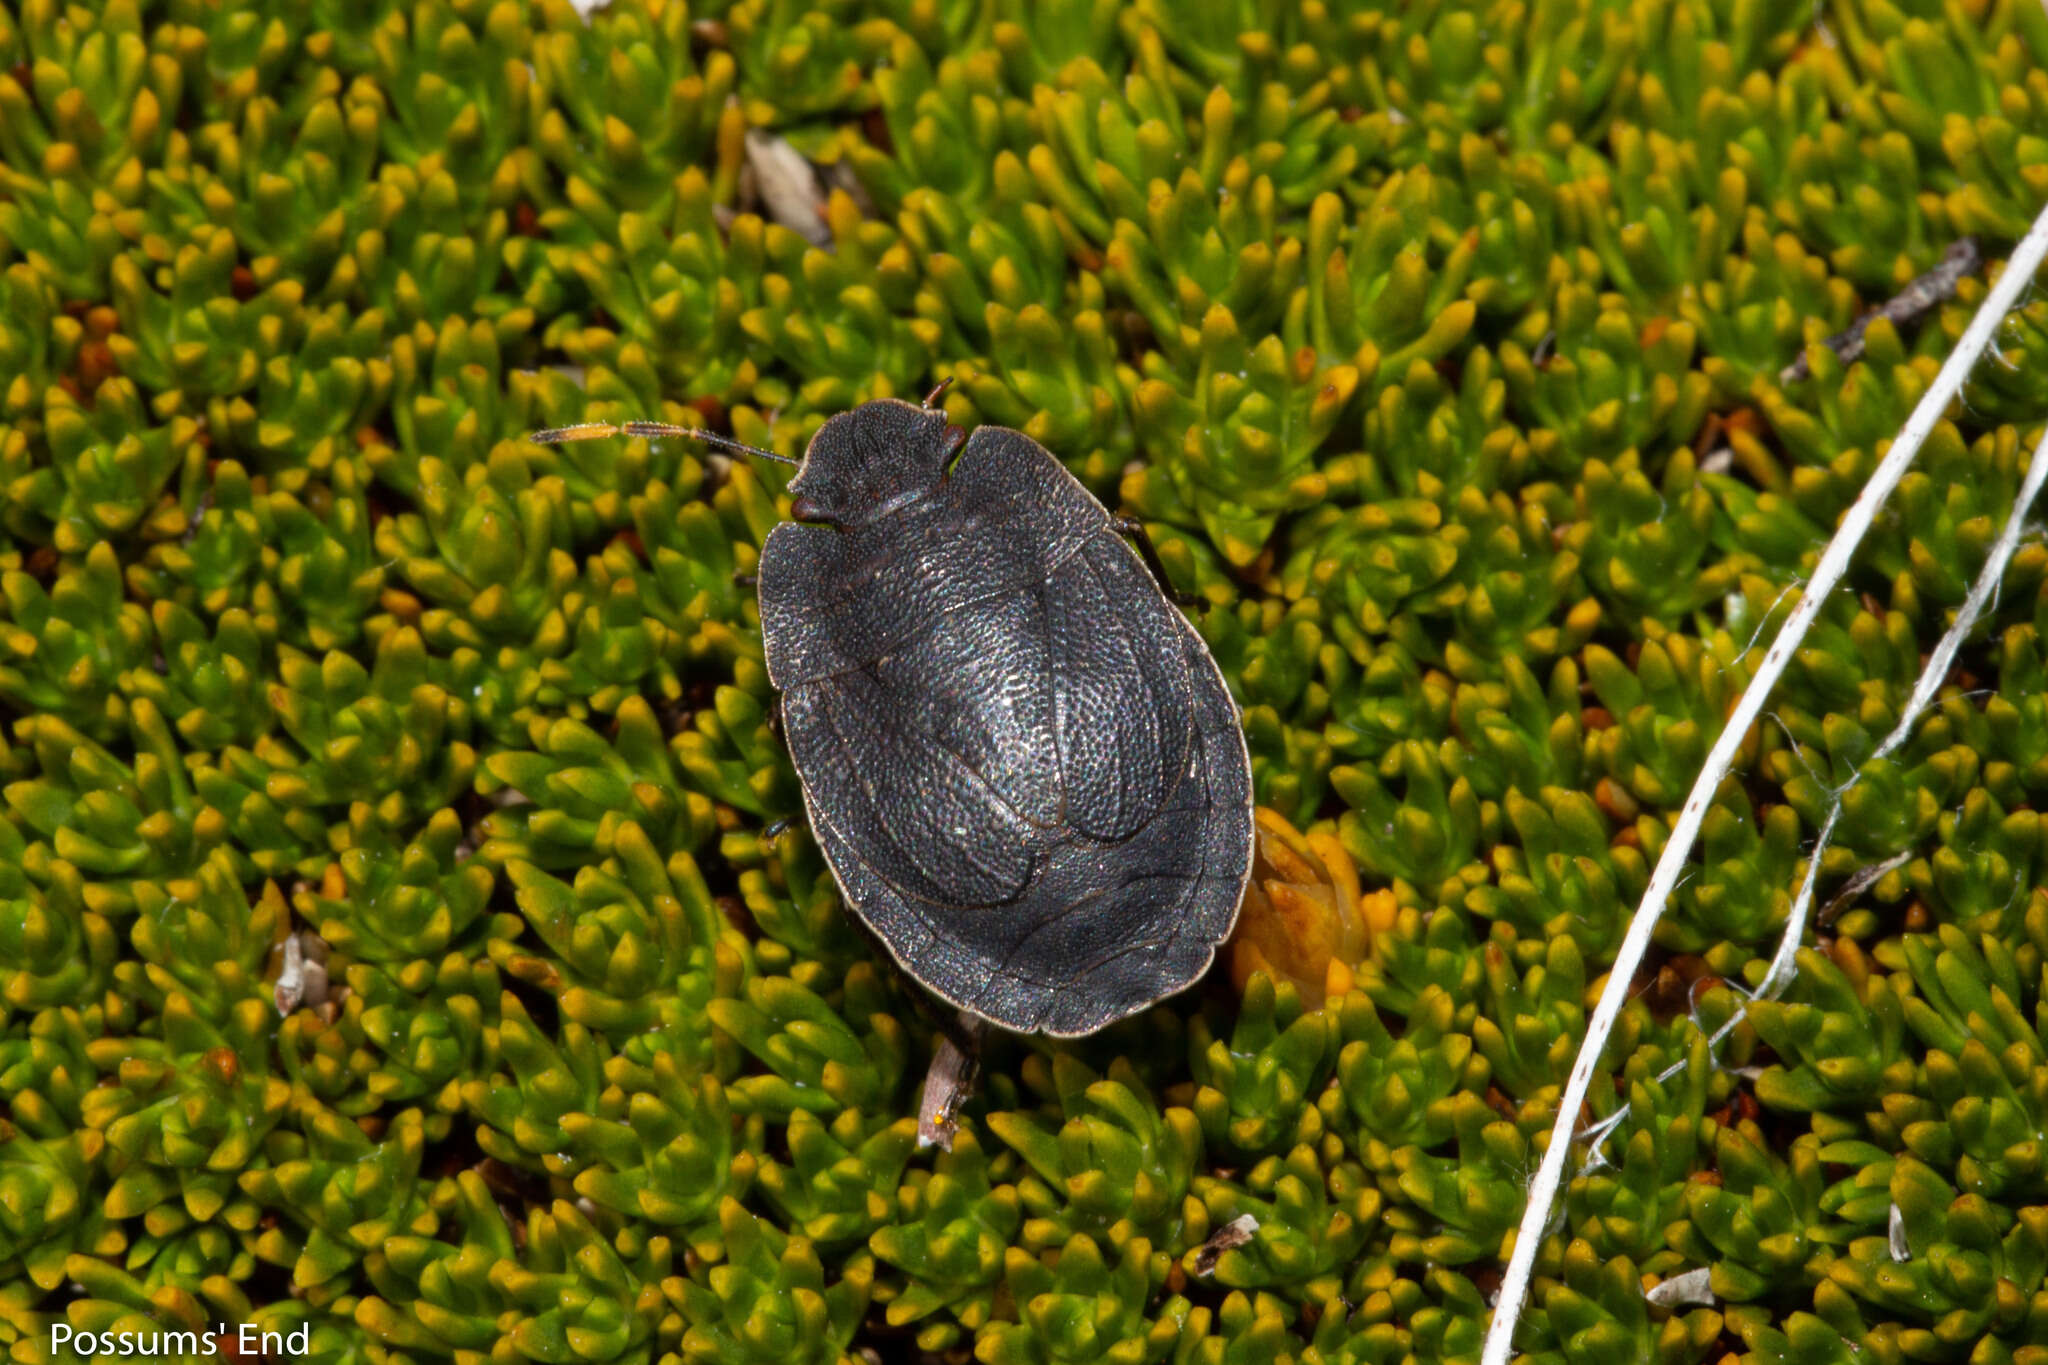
935	395
593	431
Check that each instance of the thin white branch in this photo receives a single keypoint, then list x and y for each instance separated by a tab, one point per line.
1834	563
1924	689
1780	973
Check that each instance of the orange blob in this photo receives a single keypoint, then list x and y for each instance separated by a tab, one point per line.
1304	919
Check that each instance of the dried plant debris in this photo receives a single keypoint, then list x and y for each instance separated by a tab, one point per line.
1926	293
949	1082
788	186
1238	1232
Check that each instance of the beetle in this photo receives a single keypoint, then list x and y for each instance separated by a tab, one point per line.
1021	763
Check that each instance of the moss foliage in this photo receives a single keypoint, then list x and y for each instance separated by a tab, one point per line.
1439	344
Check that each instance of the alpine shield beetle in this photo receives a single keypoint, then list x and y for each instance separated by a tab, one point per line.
1020	761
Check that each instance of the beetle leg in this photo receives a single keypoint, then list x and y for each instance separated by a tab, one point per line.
1135	529
777	828
746	580
936	394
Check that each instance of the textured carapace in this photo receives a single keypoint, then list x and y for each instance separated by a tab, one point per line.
1020	761
866	463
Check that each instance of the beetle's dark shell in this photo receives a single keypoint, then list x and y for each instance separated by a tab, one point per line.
1019	759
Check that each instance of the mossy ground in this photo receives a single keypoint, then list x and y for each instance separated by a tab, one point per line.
1439	345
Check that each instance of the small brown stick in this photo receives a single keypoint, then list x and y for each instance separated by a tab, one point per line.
1863	879
198	518
1922	296
948	1082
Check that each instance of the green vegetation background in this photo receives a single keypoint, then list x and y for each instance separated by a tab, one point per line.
1439	344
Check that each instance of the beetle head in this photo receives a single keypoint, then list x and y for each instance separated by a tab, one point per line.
871	461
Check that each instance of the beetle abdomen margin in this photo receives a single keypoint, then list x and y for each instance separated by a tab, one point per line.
1102	928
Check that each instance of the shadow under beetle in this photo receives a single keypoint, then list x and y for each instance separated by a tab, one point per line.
1021	763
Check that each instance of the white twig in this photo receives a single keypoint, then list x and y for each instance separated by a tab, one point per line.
1780	974
1924	689
1834	563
